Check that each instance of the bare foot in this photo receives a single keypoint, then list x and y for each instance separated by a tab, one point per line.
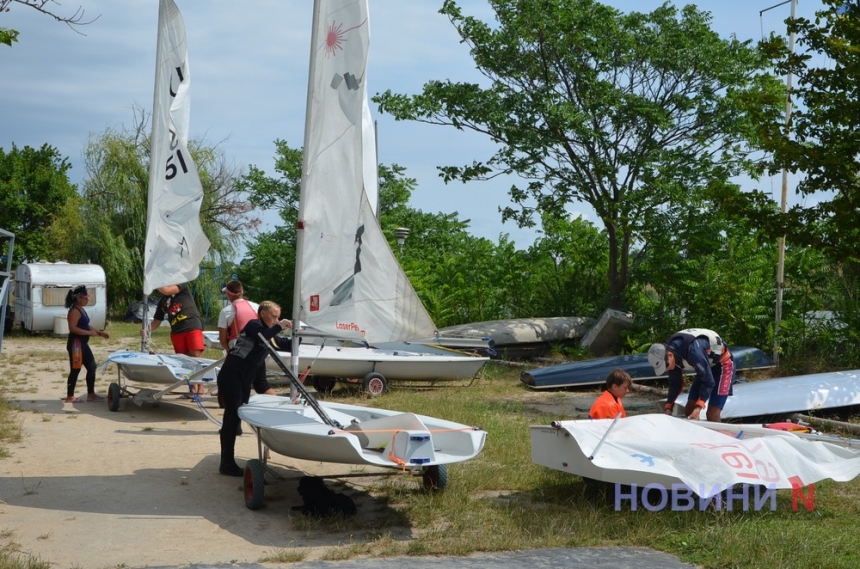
69	399
95	397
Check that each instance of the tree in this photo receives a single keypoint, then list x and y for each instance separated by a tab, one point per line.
114	206
268	270
7	36
822	141
630	113
34	185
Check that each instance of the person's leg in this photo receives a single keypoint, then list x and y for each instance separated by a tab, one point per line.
230	389
90	365
74	369
194	346
724	376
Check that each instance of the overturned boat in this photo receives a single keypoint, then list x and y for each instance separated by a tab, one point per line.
594	371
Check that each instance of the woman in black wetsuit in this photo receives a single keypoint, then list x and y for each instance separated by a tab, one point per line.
238	372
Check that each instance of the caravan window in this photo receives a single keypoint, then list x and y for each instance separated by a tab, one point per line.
57	296
23	291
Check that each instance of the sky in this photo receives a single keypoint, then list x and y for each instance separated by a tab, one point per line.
249	76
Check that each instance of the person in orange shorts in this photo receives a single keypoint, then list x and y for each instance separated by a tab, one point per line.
609	404
177	306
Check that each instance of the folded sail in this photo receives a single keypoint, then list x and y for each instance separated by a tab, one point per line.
350	283
175	242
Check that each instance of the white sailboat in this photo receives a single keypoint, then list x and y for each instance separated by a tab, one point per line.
337	247
784	395
175	242
697	456
349	285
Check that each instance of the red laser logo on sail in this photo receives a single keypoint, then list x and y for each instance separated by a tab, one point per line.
335	37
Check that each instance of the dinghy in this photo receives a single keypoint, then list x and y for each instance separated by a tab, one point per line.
308	429
669	452
785	395
594	371
175	242
348	283
170	372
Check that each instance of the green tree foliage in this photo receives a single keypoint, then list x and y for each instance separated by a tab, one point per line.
822	141
268	270
625	112
34	186
7	36
459	278
706	272
114	208
821	144
566	270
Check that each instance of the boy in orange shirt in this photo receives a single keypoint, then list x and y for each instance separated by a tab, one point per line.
609	404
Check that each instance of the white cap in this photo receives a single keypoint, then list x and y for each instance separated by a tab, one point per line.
657	358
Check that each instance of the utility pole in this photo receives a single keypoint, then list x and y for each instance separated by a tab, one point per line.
780	268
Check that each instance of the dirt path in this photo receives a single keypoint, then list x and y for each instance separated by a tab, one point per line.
90	488
140	487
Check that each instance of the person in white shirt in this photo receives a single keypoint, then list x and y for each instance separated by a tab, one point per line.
231	321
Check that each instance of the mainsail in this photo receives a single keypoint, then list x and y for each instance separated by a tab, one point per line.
175	242
348	282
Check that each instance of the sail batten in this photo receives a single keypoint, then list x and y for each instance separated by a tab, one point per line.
348	281
175	242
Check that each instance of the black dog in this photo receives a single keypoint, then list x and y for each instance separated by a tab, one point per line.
320	501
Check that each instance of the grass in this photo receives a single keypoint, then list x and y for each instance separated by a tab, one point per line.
501	501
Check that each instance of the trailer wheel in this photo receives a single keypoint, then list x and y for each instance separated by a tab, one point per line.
435	477
374	384
254	483
113	396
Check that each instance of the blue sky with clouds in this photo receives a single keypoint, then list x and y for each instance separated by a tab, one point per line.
249	78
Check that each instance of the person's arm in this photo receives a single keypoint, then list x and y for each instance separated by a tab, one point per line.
74	317
276	329
222	338
153	325
676	382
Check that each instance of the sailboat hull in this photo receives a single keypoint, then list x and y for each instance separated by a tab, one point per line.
421	364
395	365
669	452
812	392
374	437
164	369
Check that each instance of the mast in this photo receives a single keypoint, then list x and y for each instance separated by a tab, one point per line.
300	234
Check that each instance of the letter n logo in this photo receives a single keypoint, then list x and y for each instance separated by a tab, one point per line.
797	492
315	302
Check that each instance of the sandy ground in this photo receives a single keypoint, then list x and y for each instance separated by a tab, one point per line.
87	487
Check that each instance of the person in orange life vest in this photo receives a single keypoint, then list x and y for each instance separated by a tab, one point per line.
609	404
714	365
78	344
232	320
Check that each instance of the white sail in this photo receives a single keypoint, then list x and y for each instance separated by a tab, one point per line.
661	450
175	242
348	282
